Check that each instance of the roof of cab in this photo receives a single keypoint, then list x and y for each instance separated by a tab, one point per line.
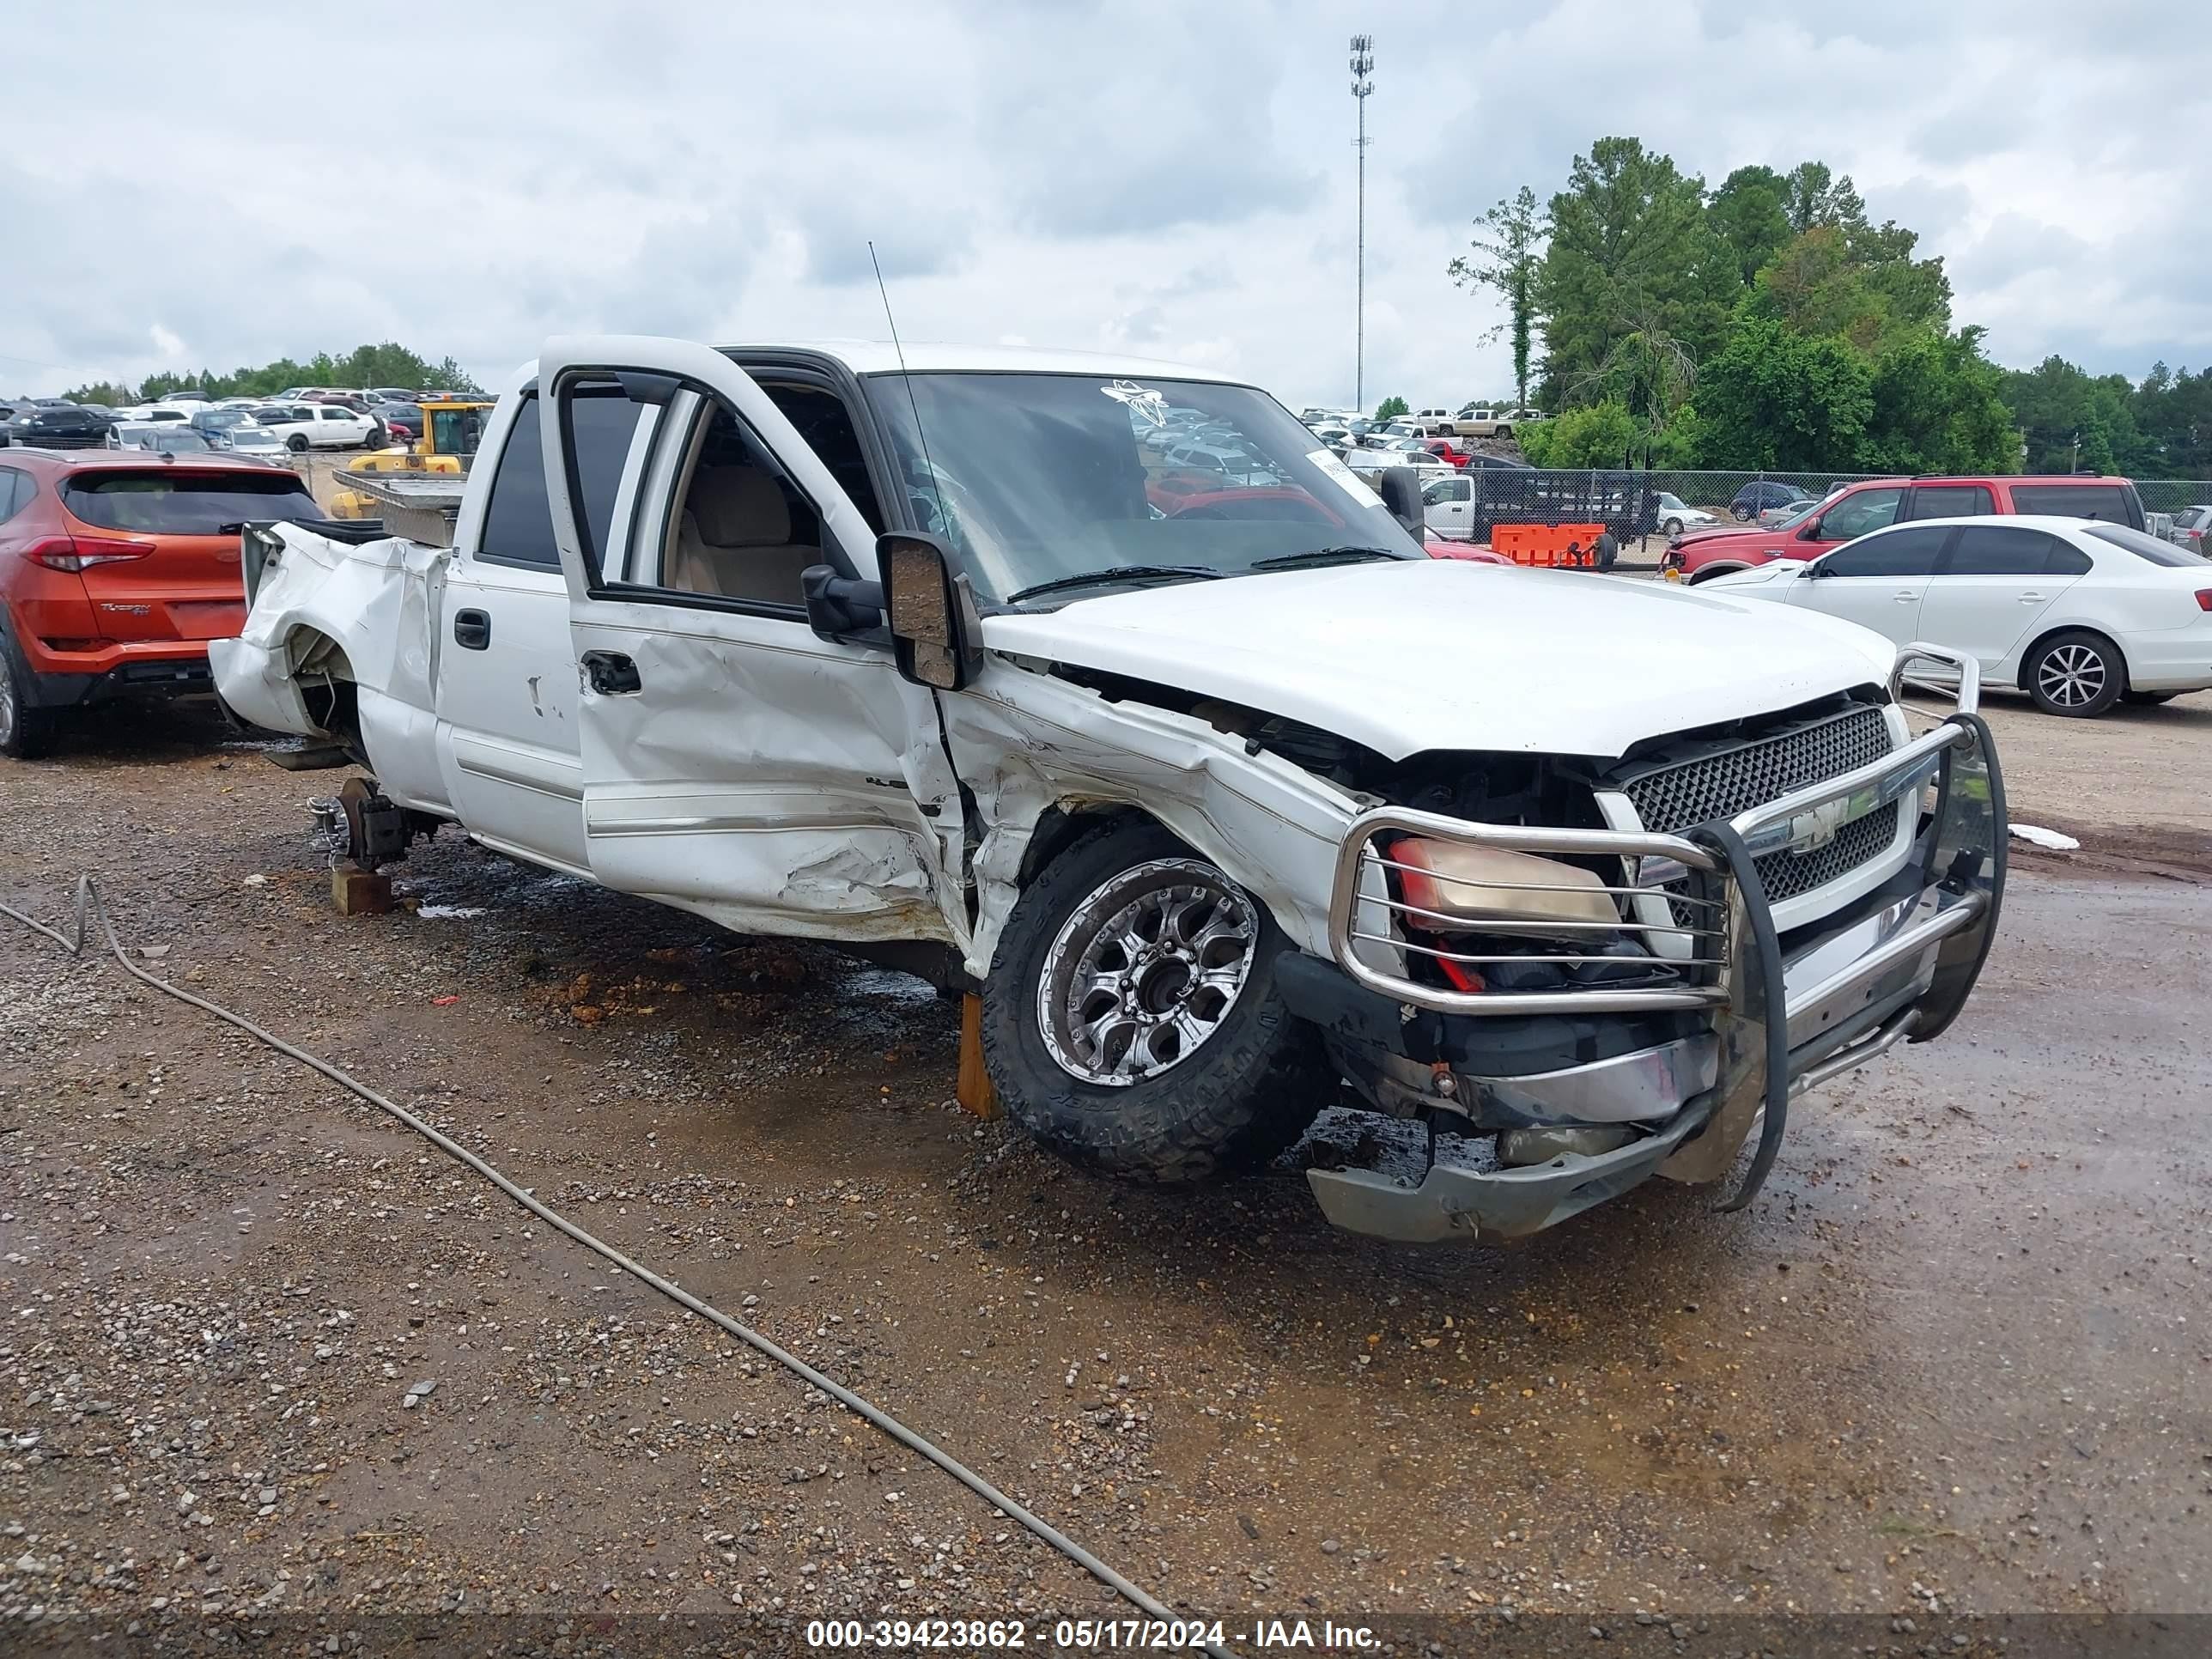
937	357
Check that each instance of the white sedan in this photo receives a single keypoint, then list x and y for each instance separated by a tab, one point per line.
2077	613
318	425
1675	515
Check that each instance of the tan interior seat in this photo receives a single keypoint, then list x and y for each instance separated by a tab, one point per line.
735	540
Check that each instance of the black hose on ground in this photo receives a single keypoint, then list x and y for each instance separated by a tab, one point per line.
90	908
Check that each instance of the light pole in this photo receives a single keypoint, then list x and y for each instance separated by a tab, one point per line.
1363	82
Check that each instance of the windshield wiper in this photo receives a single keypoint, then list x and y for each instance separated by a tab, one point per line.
1116	573
1325	555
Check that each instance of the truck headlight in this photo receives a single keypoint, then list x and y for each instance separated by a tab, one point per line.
1458	887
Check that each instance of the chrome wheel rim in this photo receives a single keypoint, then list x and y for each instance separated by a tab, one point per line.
6	705
1145	971
2072	676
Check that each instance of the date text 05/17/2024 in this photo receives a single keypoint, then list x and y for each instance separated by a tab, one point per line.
1145	1635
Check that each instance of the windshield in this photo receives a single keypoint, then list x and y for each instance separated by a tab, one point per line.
1032	478
220	419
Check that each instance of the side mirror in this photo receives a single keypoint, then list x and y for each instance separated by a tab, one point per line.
1401	490
936	633
838	607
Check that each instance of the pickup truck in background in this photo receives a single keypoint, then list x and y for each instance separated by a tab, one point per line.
1476	422
1219	798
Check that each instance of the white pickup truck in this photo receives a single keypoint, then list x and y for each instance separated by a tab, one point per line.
1222	795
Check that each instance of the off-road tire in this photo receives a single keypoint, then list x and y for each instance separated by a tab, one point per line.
26	733
1238	1100
2042	672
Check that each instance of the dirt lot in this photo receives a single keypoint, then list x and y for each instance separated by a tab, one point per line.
1954	1362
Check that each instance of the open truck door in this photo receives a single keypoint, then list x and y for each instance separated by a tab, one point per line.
735	762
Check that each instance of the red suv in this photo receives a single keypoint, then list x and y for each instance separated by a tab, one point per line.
116	570
1852	511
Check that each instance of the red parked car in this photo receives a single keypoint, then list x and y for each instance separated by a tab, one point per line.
116	570
1854	509
1445	450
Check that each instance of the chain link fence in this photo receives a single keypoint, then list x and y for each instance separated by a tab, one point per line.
1636	504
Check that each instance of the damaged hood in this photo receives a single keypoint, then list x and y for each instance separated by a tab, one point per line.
1429	655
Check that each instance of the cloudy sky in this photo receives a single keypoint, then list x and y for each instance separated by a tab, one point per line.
185	184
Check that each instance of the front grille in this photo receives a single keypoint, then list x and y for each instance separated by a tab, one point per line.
1672	794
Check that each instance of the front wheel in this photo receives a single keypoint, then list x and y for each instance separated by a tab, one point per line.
1673	526
1132	1023
2078	675
297	443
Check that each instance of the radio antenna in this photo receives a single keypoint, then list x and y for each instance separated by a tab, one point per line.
928	466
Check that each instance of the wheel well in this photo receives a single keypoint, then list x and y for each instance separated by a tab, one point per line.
2020	679
1058	827
326	683
1705	570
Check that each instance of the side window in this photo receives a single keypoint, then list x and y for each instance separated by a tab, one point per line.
519	521
1951	501
15	493
1989	550
2072	501
1857	513
1909	552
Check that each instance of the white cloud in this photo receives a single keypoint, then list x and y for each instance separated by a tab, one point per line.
1169	180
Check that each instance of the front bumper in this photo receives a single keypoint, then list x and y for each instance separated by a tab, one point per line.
1895	964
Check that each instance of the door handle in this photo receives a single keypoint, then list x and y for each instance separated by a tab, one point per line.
2031	598
472	630
1907	596
611	674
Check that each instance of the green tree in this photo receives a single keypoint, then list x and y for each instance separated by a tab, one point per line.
388	364
109	393
1602	434
1915	292
1747	212
1630	250
1811	197
1860	285
2173	411
1505	255
2072	420
1936	409
1651	375
1391	407
1774	398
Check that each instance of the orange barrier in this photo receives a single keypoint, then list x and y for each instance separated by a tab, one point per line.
1548	544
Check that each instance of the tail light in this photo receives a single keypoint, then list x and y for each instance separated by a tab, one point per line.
77	553
2205	599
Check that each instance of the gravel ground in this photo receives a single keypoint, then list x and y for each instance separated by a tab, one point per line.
268	1357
